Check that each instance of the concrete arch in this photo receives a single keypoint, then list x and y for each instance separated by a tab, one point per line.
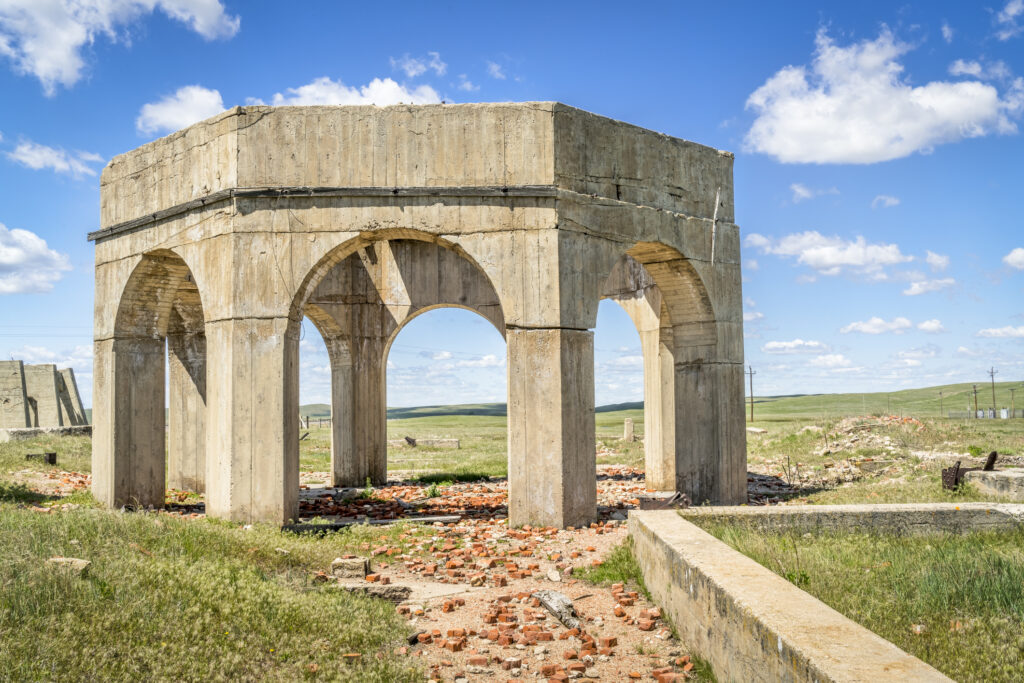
427	309
359	306
686	430
159	320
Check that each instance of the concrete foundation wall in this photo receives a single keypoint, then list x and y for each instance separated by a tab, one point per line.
751	624
72	399
899	518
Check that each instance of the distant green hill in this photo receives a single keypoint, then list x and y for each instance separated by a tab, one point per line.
918	402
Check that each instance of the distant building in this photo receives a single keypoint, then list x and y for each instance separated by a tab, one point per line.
38	396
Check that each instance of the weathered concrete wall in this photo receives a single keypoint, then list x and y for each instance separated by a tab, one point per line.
1008	484
751	624
71	400
13	404
897	518
253	209
41	387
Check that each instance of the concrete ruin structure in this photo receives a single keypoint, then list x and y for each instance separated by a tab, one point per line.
34	396
217	241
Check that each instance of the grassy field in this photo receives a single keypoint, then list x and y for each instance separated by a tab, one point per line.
920	403
953	601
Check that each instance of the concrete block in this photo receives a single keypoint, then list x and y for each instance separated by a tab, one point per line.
1004	483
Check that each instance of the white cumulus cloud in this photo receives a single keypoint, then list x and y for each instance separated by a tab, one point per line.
855	106
933	326
802	192
1015	259
416	66
926	286
495	71
466	84
1008	332
186	106
885	201
795	346
947	32
379	91
1007	20
831	255
27	264
37	157
831	360
44	38
875	325
936	261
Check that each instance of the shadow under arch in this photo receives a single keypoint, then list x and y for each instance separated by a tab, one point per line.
159	320
359	296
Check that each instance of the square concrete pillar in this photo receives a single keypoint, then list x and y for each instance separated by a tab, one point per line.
710	459
13	403
252	421
129	466
552	459
186	433
359	413
659	409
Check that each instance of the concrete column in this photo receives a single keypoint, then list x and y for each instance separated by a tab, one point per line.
659	409
552	461
128	422
359	446
186	433
710	457
252	420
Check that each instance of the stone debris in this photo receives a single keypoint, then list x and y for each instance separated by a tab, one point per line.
79	566
350	566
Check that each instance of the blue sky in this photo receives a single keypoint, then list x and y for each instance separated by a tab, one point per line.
879	160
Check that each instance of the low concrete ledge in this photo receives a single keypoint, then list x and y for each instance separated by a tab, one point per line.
1006	483
751	624
23	433
900	519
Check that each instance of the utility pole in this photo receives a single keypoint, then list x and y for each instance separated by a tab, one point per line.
751	373
975	399
940	404
992	373
1012	389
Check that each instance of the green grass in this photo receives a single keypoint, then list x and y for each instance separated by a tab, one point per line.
73	454
167	599
923	402
964	590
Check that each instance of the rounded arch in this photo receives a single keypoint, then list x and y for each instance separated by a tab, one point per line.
341	251
159	290
498	324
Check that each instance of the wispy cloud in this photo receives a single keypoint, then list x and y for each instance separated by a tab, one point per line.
877	325
39	157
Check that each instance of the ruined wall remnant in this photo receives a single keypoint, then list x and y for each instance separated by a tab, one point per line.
38	396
